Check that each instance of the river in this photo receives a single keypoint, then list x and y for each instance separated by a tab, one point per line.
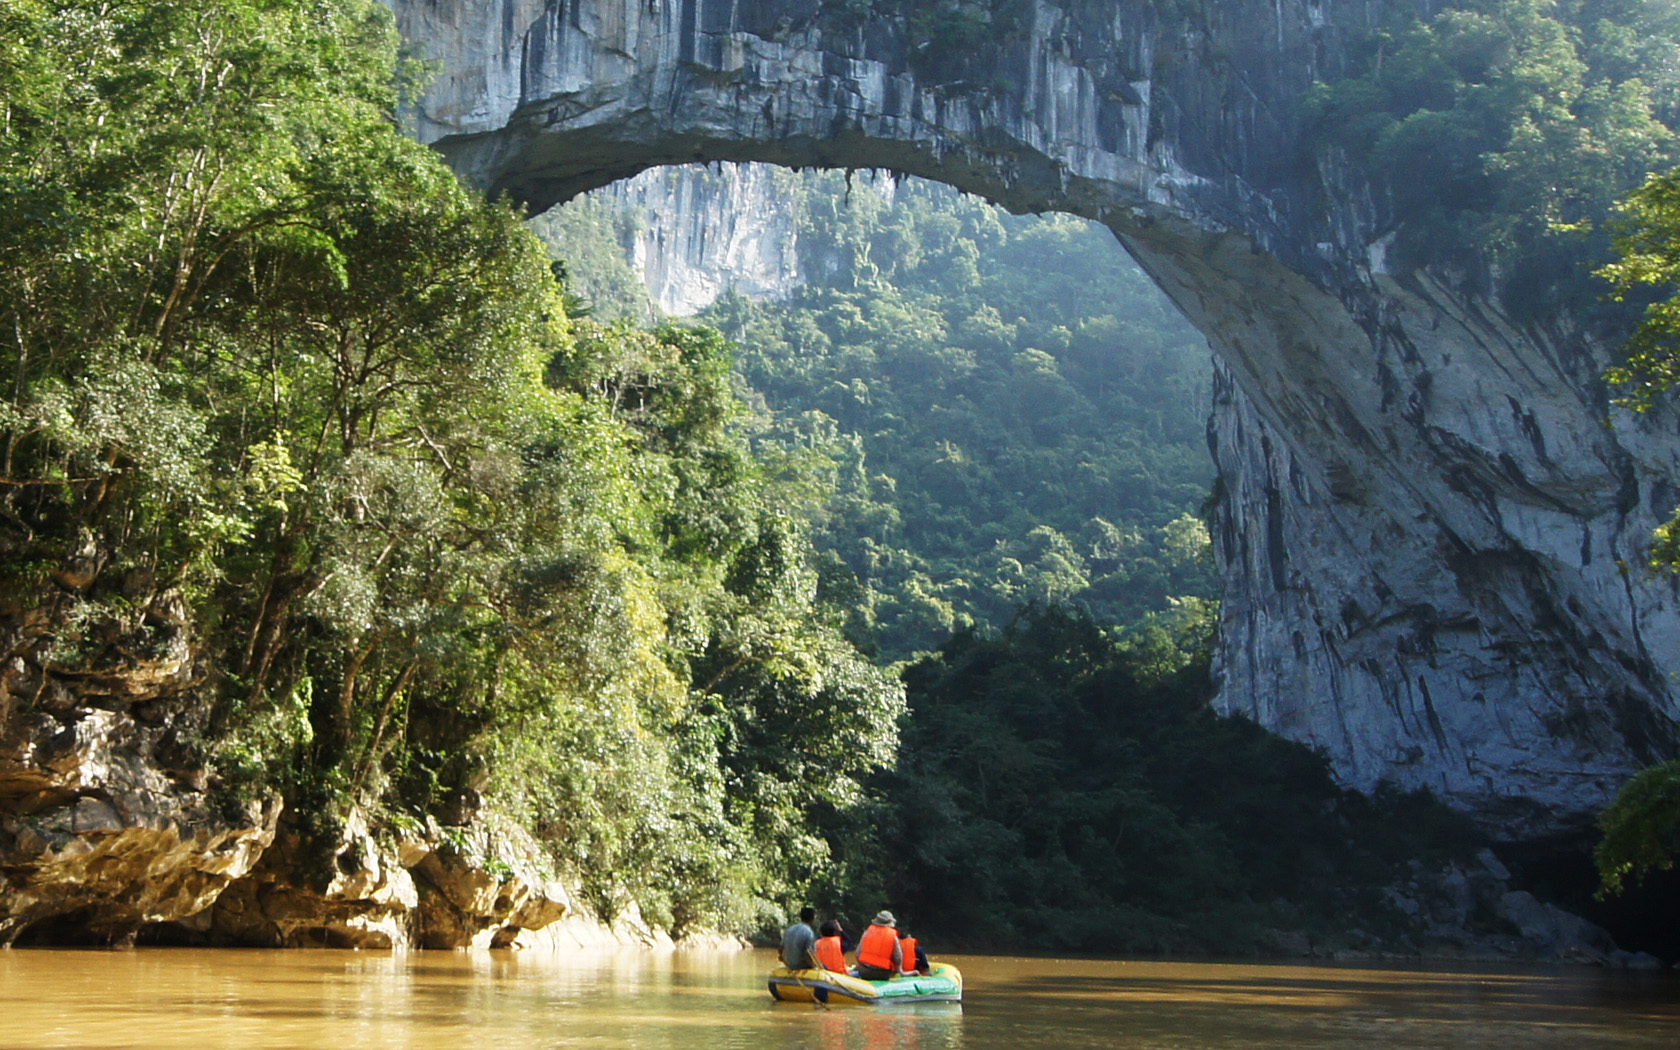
181	999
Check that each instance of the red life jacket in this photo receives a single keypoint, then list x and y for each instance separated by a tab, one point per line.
830	955
907	945
876	948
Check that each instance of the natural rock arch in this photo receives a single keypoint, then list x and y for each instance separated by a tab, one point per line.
1423	522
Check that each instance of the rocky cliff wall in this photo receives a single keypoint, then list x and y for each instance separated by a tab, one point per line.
700	233
1425	525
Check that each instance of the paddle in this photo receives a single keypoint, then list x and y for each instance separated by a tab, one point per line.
801	982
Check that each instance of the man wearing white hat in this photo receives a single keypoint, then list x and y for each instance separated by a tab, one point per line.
879	956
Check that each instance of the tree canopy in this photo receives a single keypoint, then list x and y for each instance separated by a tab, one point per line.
1501	131
289	407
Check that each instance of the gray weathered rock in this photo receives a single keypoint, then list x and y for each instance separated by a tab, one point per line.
108	830
1555	932
1470	911
707	232
464	904
472	888
105	826
1623	960
1492	866
1424	523
366	900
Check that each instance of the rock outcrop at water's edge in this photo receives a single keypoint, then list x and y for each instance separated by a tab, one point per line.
99	844
112	829
108	837
112	833
106	825
472	887
1463	910
1425	526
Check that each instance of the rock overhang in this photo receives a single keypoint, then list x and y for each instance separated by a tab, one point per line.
1387	440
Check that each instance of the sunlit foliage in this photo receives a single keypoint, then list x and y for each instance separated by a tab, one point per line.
1641	829
294	418
1502	130
1008	411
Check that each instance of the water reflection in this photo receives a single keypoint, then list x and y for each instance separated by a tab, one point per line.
196	1000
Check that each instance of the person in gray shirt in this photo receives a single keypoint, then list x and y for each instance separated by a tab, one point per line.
799	943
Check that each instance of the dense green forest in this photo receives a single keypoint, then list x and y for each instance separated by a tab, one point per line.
286	402
1503	130
994	409
1025	518
1062	787
299	425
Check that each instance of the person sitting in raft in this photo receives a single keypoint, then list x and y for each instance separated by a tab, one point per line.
879	956
799	943
831	952
914	959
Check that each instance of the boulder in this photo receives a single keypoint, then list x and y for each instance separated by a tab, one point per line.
1553	932
1625	960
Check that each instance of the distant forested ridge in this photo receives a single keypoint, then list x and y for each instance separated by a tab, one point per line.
998	409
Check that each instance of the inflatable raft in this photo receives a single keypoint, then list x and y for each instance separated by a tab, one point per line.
943	985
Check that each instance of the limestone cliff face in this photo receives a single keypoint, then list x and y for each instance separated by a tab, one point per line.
1424	522
702	233
105	821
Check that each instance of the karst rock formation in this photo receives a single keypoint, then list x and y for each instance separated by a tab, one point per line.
1432	542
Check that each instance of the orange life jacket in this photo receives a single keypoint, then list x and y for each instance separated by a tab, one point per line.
830	955
876	947
907	945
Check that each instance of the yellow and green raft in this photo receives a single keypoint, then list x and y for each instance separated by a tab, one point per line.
942	985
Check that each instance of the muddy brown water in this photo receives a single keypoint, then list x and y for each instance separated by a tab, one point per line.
179	999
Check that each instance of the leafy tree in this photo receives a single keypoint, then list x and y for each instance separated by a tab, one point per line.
1502	130
1649	258
300	428
1641	828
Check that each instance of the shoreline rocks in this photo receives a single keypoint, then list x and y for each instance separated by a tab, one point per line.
106	825
110	834
1468	912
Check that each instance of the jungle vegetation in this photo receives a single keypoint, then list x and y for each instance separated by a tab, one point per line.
1501	132
296	421
300	428
1067	786
995	409
1001	427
